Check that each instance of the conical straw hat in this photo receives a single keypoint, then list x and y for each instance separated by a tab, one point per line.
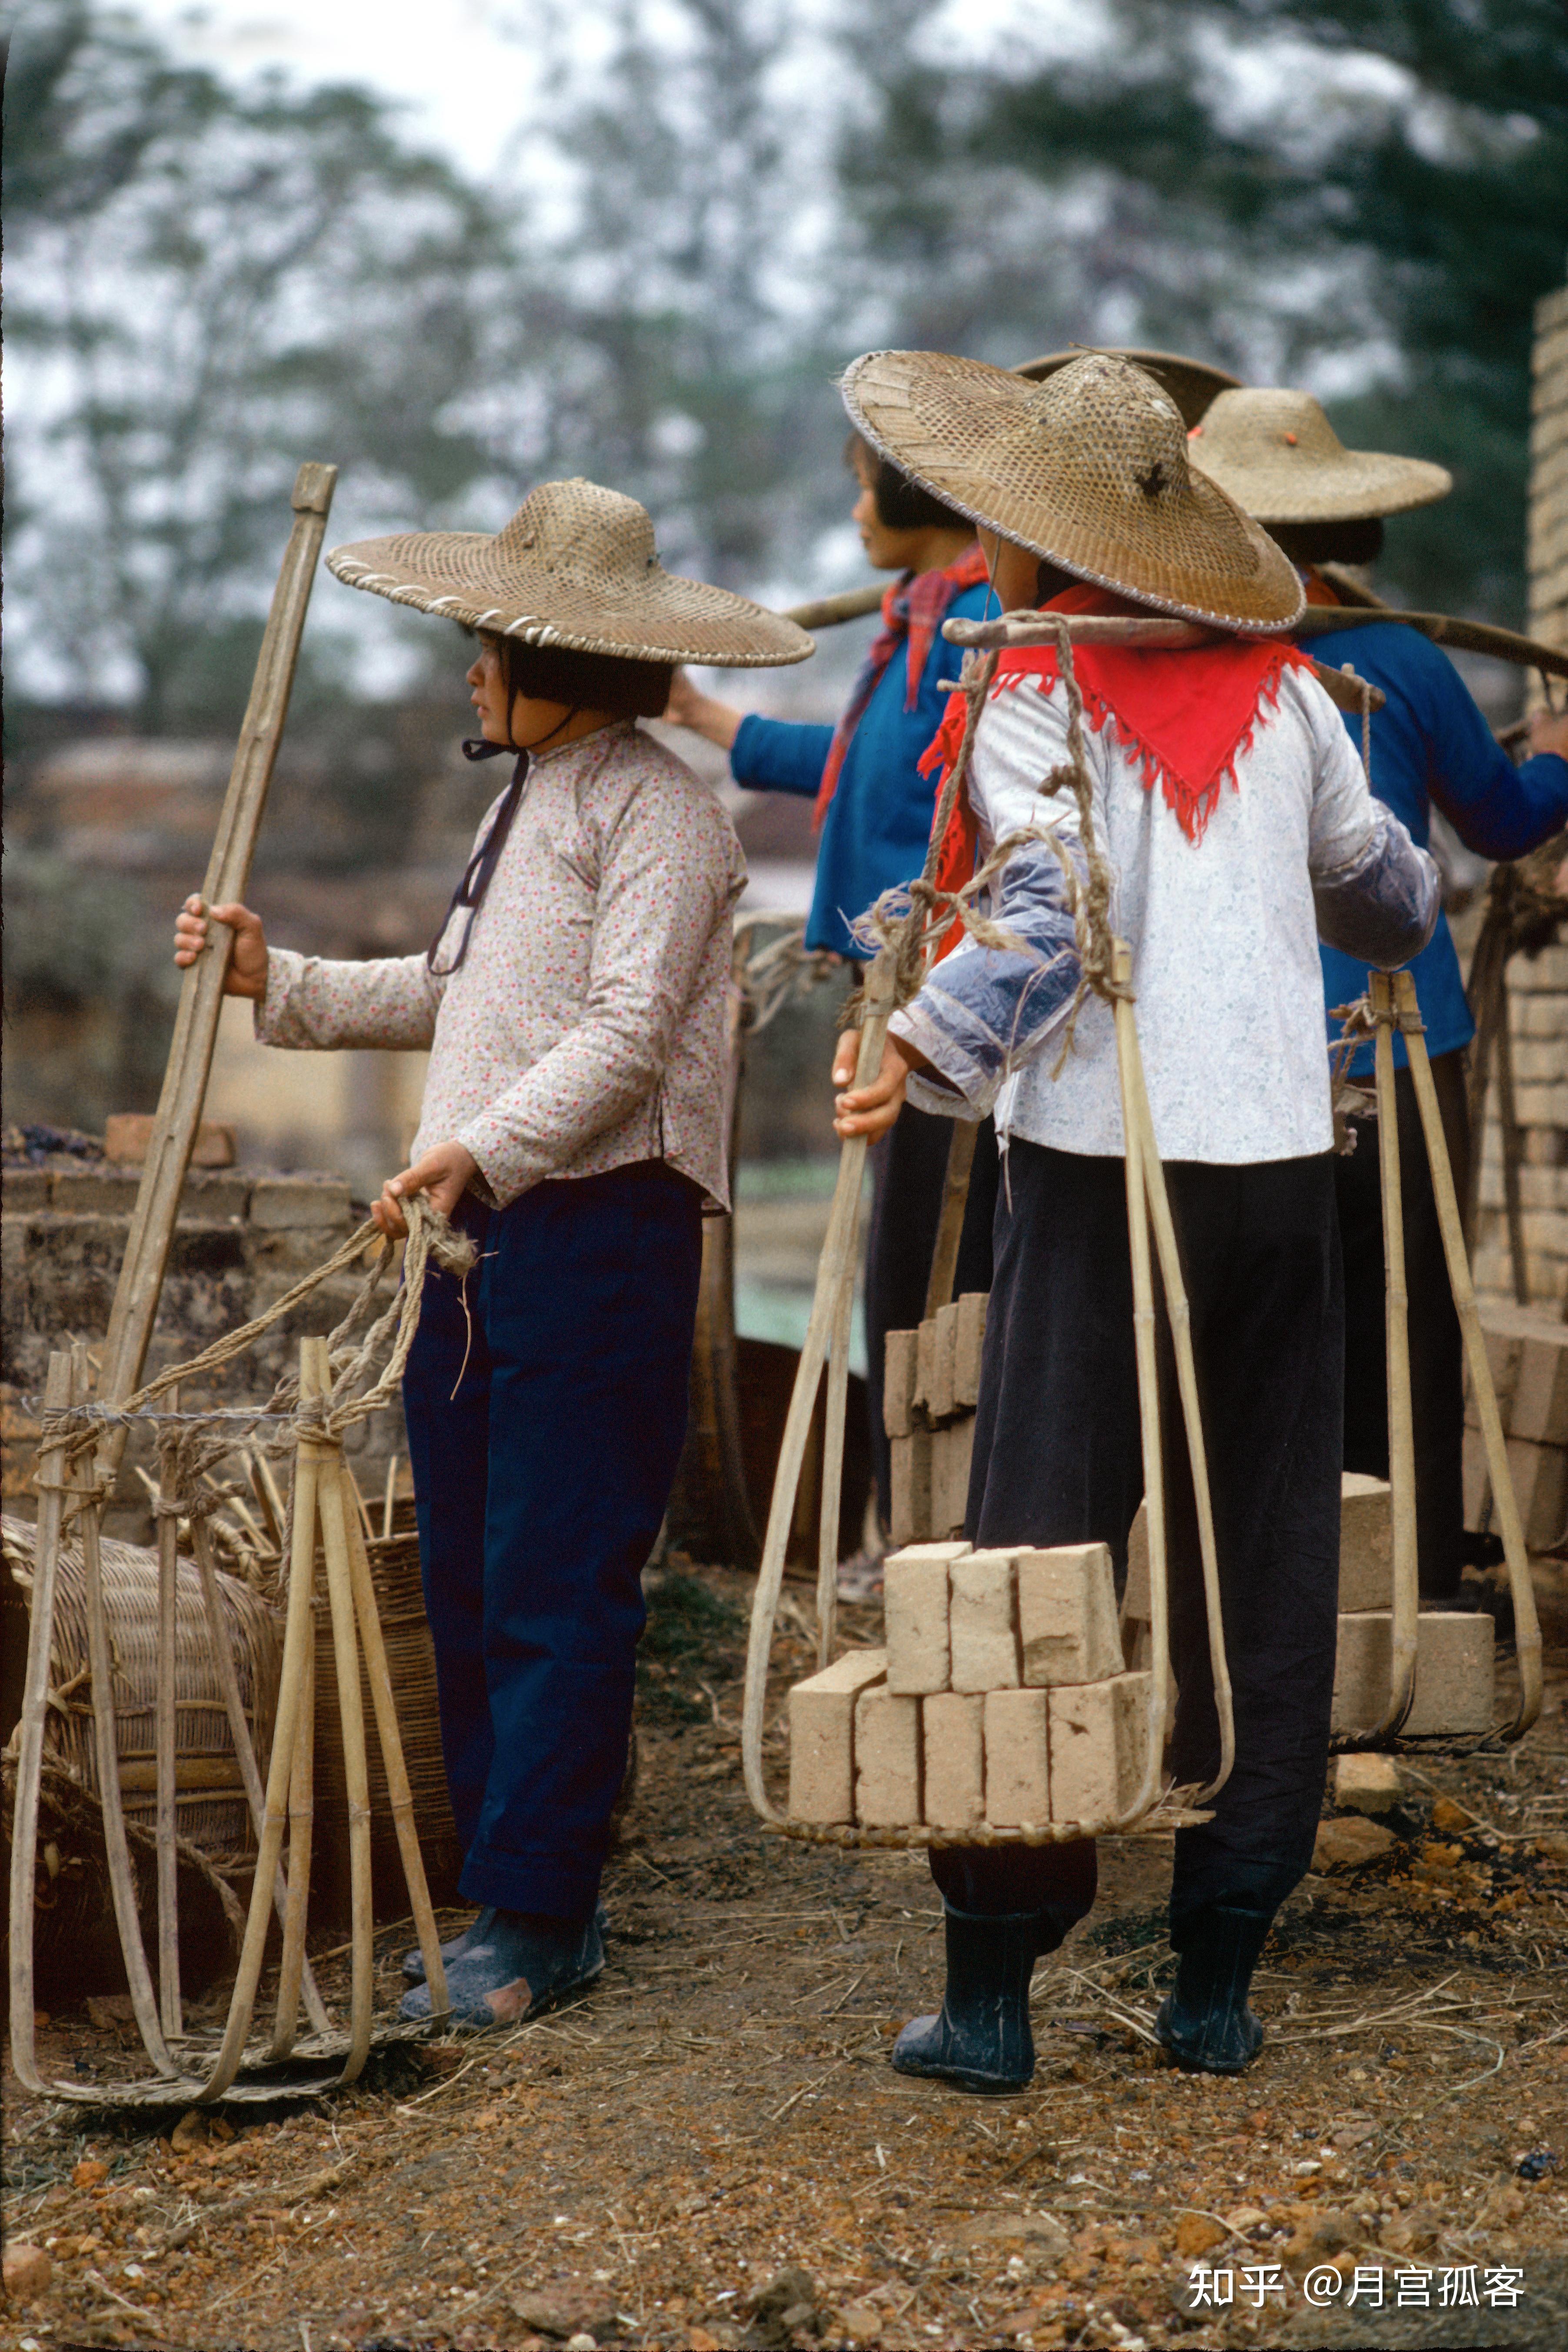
1280	457
1089	469
574	567
1192	384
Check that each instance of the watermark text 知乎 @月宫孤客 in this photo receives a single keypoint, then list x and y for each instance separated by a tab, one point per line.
1370	2286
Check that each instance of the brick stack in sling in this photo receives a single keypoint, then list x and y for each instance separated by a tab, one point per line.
1000	1700
930	1387
1528	1351
1455	1660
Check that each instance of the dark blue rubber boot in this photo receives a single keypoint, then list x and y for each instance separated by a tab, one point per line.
524	1965
1206	2023
980	2038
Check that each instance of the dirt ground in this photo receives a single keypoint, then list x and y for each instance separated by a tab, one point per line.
712	2149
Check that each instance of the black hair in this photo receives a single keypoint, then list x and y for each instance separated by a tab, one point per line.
1359	541
901	505
632	689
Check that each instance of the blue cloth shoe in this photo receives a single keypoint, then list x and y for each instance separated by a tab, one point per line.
525	1965
413	1962
1206	2023
980	2038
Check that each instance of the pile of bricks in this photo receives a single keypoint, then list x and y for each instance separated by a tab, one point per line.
1528	1351
930	1387
1455	1649
999	1699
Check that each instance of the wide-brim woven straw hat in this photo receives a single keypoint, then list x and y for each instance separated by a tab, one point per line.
1192	384
574	567
1088	470
1280	457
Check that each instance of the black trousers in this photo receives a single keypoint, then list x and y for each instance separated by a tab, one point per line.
909	1172
1436	1348
1058	1459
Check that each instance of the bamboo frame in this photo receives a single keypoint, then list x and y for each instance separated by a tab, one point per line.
165	1748
1394	1007
1146	1205
1527	1622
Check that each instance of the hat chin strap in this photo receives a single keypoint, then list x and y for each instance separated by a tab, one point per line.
479	747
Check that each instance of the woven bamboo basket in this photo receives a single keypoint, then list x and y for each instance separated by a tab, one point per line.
411	1662
210	1803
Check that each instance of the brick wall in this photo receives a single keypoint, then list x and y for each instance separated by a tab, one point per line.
1538	986
243	1238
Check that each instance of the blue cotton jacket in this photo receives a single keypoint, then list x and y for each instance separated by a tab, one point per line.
879	821
1431	745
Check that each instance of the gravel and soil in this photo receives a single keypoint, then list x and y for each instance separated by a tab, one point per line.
711	2149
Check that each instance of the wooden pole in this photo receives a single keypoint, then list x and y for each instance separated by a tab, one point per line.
164	1744
334	1509
399	1795
1401	1427
116	1848
239	1732
297	1632
179	1111
50	1482
301	1824
955	1201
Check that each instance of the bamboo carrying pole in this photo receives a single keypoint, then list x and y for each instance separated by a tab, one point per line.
1031	628
179	1111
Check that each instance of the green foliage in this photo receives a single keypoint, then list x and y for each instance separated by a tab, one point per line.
206	284
1392	207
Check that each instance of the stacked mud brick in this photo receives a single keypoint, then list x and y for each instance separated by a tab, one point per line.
1538	984
1000	1698
1455	1660
244	1235
930	1387
1528	1351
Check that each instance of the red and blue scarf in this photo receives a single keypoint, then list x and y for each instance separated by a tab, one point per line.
913	611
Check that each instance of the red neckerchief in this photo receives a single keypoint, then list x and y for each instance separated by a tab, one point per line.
1318	589
1186	716
914	608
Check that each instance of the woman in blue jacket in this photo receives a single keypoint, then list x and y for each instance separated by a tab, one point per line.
873	817
1280	457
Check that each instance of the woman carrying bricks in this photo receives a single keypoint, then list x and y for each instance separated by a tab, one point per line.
573	1125
1237	824
872	811
1278	456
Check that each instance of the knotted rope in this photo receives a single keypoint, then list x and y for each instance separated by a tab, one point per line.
197	1441
906	924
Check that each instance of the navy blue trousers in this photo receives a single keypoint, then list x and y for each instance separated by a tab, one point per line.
544	1427
1059	1459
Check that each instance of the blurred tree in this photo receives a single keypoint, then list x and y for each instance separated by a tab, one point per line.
204	286
1368	193
679	337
